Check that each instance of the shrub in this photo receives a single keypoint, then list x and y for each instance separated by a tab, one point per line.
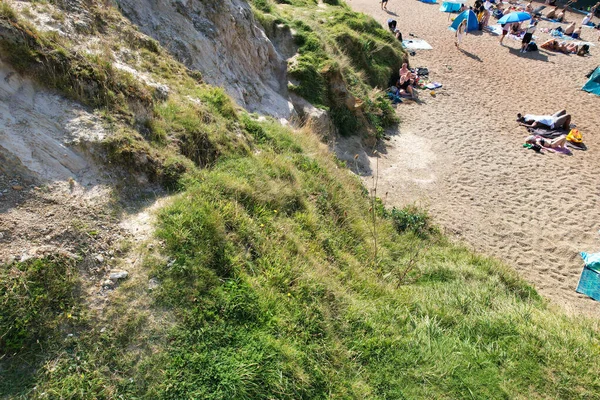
36	296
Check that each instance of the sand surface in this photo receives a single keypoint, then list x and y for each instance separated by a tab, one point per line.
460	154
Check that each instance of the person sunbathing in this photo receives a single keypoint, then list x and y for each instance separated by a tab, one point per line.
559	143
406	83
550	44
552	13
560	17
564	47
568	48
557	120
570	29
576	33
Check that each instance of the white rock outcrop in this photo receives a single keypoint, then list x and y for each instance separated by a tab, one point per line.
223	41
39	130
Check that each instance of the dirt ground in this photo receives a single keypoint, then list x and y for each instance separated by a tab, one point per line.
460	153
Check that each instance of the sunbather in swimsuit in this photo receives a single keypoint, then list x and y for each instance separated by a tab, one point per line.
557	120
559	143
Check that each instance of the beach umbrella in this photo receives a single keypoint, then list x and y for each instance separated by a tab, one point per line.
518	16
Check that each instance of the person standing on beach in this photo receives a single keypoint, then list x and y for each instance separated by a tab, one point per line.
528	35
460	31
384	4
505	30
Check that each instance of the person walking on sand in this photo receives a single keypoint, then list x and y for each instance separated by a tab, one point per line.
384	4
460	31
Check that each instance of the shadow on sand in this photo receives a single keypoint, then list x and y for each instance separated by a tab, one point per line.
533	55
470	55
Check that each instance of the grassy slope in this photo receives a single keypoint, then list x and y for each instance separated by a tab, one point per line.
270	288
338	49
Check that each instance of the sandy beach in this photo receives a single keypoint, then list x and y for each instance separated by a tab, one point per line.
460	154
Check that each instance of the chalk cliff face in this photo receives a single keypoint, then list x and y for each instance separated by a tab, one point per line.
222	40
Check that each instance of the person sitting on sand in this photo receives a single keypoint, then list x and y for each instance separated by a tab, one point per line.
569	29
587	19
552	13
576	33
528	7
560	17
404	70
406	83
392	23
557	120
559	143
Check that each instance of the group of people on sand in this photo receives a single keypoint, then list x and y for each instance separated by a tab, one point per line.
559	121
406	82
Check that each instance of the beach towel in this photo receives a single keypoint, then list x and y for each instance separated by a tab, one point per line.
589	283
496	29
591	260
429	1
433	85
416	44
547	133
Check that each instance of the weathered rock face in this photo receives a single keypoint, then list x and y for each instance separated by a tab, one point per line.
39	131
223	41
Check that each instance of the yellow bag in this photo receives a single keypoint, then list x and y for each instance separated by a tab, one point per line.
574	136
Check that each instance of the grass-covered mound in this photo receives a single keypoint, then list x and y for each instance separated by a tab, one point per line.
343	58
270	288
280	276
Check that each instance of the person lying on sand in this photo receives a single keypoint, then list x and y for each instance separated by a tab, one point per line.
564	47
557	120
559	143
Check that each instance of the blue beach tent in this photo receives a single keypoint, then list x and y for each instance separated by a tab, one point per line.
450	6
472	23
593	85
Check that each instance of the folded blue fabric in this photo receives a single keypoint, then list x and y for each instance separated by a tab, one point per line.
591	260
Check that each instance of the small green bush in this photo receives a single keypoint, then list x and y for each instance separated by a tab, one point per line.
412	219
36	297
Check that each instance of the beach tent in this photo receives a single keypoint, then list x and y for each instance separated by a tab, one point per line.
593	85
472	23
450	6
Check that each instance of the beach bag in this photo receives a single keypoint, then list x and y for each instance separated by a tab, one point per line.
532	47
575	136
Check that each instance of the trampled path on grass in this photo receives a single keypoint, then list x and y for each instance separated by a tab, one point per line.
460	153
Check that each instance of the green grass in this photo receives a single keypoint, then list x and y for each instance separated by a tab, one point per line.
271	290
270	287
341	54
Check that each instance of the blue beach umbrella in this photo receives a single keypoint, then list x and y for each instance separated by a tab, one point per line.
518	16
